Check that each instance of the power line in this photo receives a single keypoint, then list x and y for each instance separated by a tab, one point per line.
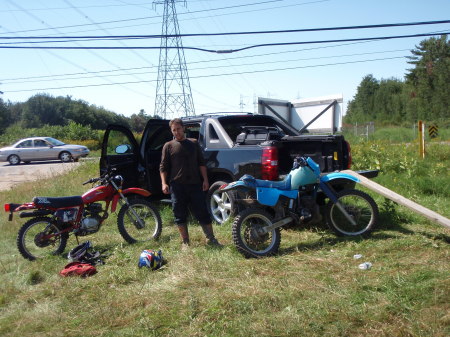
34	79
64	8
154	36
195	62
208	16
121	42
157	17
60	57
228	51
213	75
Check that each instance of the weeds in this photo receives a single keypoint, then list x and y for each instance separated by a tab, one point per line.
312	288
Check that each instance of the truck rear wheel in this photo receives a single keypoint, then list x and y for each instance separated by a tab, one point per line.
221	205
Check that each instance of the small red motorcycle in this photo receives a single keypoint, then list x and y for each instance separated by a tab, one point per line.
53	219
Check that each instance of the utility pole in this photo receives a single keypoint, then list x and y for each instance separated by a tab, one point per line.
173	90
241	103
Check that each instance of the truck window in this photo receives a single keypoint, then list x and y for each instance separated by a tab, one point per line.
115	139
192	131
213	136
158	138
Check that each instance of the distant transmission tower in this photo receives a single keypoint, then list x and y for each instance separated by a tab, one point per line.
173	90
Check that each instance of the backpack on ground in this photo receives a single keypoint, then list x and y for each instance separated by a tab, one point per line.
78	269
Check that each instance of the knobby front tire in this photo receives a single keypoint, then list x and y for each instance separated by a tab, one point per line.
247	236
360	206
32	243
129	226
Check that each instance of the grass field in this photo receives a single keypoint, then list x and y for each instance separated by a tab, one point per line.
312	288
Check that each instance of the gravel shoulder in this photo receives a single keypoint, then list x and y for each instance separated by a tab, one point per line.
13	175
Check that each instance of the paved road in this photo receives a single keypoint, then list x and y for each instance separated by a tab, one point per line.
12	175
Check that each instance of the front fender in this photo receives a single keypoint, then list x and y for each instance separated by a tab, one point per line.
338	175
136	190
128	191
235	185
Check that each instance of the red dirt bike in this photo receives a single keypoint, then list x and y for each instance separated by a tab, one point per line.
53	219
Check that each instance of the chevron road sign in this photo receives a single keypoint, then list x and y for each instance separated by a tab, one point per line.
433	131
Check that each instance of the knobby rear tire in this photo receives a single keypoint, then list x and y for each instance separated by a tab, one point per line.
28	240
129	227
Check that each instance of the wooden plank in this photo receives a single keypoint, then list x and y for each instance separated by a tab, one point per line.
428	213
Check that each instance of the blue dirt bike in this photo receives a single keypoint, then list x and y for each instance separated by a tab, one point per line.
266	206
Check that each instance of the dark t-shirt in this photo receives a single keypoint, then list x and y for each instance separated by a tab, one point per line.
182	161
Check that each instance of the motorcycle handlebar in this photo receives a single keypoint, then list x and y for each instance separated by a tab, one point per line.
104	177
300	162
92	180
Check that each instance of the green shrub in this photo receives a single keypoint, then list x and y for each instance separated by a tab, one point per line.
91	144
72	131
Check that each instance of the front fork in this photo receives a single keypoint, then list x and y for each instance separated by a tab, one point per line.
138	222
332	195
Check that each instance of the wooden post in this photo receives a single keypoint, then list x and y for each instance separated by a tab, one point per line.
421	139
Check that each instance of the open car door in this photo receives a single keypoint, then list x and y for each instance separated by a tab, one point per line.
156	134
120	150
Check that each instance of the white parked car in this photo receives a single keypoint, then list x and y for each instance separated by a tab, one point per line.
41	148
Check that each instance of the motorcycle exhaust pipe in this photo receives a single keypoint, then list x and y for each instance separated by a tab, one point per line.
34	213
277	224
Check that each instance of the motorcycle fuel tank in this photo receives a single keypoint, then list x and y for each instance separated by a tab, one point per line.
98	193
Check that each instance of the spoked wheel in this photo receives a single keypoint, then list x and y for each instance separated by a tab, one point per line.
221	204
39	237
360	207
140	221
249	237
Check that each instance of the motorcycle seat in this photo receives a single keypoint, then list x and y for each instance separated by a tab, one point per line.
284	184
58	202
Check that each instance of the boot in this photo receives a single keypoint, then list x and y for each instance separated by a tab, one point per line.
184	236
210	238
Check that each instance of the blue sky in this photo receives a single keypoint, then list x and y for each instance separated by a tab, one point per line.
124	81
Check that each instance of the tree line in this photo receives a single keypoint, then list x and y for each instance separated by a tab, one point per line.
424	93
43	109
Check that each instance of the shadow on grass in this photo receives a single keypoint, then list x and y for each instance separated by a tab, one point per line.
436	237
388	221
329	241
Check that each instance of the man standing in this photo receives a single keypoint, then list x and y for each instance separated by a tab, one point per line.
183	168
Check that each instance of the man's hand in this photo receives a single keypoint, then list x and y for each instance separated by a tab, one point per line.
205	178
165	188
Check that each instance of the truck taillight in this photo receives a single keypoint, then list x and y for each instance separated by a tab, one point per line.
349	155
269	163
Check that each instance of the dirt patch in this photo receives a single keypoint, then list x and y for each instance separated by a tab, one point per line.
13	175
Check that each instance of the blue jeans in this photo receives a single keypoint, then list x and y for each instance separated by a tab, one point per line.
189	196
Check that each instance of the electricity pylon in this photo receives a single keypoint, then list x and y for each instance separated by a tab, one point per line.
173	90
